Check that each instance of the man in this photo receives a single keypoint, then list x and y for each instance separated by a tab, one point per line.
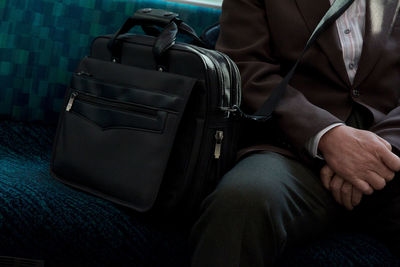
342	106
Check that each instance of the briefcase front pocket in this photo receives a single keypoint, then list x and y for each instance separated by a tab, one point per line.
110	114
114	141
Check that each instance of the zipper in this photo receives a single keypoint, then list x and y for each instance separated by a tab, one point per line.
231	107
220	76
219	136
207	61
235	85
71	101
219	60
96	100
223	83
89	77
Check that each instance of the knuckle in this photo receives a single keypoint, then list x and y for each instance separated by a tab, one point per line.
335	187
376	149
364	187
354	178
324	172
355	200
391	176
346	190
380	184
379	147
369	191
397	164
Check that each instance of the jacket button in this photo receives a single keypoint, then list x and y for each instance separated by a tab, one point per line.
356	92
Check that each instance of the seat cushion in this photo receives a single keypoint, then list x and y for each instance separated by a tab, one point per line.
41	218
341	249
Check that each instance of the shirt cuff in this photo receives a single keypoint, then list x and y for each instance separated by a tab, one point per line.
312	144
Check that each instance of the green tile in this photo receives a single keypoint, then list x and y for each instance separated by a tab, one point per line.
43	41
20	56
6	68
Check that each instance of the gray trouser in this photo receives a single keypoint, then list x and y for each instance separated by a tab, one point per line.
268	202
263	204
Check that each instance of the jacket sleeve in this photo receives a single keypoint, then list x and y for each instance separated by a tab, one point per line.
389	128
245	37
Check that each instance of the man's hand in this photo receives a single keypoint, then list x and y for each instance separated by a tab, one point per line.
360	157
343	192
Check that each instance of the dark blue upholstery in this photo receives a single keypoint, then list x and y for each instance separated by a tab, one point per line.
44	219
210	35
341	249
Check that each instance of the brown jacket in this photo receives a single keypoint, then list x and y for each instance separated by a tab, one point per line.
265	37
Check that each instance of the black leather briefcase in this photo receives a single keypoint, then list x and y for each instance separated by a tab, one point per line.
146	121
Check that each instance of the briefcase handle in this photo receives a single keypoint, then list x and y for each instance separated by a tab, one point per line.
147	18
162	18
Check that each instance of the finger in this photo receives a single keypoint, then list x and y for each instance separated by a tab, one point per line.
383	171
376	181
386	143
326	181
390	159
346	195
336	186
363	186
356	197
326	176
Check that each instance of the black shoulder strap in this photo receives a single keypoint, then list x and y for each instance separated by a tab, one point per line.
266	110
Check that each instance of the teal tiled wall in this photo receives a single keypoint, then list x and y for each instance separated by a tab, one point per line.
42	41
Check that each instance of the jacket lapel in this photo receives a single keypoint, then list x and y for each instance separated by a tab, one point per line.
380	16
312	12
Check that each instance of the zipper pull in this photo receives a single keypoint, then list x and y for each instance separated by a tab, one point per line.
229	110
219	136
82	73
71	101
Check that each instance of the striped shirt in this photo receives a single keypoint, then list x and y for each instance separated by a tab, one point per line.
350	27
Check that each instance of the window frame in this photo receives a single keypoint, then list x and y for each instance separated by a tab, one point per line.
201	3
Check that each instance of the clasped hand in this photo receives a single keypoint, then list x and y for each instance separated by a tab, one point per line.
357	162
